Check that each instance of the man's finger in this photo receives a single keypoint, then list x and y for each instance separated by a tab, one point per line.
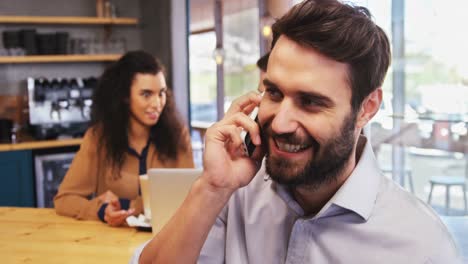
242	120
248	109
238	105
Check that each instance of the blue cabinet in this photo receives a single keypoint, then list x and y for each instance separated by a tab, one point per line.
17	181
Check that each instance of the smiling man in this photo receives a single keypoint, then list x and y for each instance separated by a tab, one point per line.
318	195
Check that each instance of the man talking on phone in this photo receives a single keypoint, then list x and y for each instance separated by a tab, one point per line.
317	195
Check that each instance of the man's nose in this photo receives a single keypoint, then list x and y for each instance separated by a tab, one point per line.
285	120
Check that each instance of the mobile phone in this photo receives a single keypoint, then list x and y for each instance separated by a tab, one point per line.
249	146
144	228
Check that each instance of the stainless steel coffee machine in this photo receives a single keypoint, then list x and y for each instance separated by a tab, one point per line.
59	107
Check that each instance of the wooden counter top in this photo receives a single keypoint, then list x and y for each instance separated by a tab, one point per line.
38	235
41	144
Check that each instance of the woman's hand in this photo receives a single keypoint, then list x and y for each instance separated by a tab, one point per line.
114	215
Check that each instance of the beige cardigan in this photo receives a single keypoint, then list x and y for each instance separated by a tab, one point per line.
88	176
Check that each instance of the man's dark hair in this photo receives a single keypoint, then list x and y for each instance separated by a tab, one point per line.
344	33
262	63
110	112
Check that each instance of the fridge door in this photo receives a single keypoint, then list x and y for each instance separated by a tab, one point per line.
50	170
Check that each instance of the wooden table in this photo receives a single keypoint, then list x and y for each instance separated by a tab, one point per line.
32	235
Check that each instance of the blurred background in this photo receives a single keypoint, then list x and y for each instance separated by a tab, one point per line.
420	133
210	48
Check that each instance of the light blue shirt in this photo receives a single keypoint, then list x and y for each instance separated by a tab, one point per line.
370	219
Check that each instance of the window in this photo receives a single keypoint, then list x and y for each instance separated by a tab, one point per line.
202	77
241	44
425	138
240	34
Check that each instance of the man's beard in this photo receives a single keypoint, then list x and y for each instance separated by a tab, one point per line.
325	165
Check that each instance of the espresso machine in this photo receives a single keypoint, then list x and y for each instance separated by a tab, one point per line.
59	107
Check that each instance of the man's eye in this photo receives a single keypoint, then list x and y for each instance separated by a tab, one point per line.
311	102
274	94
307	101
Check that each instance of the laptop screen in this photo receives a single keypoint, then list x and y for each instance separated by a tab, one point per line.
168	189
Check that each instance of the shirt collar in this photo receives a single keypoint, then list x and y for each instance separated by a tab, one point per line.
143	153
357	194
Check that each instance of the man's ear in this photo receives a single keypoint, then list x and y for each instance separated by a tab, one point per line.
369	107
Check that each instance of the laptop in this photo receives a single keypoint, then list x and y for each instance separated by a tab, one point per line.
168	189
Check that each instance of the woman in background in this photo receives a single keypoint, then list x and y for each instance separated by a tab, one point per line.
134	126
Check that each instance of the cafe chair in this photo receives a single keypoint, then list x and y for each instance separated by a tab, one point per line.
448	182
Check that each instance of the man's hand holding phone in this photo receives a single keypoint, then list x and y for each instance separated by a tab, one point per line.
226	166
249	147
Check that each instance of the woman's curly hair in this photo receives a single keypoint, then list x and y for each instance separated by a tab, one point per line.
110	112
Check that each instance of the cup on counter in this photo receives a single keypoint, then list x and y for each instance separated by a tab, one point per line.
145	195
